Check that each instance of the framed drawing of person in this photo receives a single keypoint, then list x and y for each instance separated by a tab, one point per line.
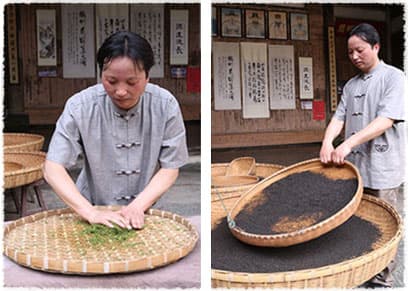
278	28
255	23
231	22
299	26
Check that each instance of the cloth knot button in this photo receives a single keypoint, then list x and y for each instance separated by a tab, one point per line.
127	145
359	96
357	113
127	172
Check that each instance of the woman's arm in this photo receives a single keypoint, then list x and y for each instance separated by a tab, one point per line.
374	129
59	179
159	184
333	130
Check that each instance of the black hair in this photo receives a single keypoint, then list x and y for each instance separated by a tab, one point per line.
366	32
128	44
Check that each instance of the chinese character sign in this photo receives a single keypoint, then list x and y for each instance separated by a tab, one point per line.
78	47
281	77
179	37
306	78
254	80
227	91
148	22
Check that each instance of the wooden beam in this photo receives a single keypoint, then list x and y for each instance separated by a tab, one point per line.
266	138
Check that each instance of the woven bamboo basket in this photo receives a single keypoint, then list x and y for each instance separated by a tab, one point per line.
233	181
227	196
22	142
54	241
347	274
304	234
22	168
241	166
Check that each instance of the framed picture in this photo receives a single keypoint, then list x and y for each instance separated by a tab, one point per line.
231	22
178	37
299	26
255	23
46	37
278	28
214	24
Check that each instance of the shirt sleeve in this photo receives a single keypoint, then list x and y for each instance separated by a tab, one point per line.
65	145
392	104
174	153
340	113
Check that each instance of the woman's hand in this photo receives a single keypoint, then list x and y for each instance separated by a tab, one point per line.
108	217
326	153
134	215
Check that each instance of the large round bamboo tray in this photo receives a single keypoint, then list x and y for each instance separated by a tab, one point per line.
227	196
22	142
347	274
52	241
22	168
233	181
346	171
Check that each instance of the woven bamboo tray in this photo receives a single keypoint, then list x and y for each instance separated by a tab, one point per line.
347	274
22	168
346	171
52	241
22	142
233	181
241	166
227	196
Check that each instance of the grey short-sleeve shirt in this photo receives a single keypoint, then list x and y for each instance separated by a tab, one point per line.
121	149
381	92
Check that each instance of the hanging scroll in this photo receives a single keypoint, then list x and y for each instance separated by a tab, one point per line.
306	78
179	37
282	77
46	37
78	47
227	86
110	18
148	22
12	43
254	80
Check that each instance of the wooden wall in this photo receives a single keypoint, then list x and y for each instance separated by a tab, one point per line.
229	129
43	98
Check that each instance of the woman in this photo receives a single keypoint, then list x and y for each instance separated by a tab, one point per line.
125	128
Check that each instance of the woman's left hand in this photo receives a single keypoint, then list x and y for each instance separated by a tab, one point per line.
134	215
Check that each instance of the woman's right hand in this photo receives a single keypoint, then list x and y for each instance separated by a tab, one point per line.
326	152
108	218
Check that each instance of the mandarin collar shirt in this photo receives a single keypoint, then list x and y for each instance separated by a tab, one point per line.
381	92
122	149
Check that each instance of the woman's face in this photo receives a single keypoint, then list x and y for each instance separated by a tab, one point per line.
124	82
362	54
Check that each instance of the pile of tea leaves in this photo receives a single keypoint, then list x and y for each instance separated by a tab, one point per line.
350	240
295	202
98	234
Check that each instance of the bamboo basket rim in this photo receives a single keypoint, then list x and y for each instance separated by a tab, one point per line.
25	169
59	265
236	181
325	271
240	162
32	139
307	233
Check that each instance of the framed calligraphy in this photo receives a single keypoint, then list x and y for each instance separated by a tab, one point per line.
282	77
227	82
46	37
306	78
254	78
78	46
255	23
178	37
148	21
231	22
277	25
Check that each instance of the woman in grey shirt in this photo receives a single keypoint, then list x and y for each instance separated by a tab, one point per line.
130	133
